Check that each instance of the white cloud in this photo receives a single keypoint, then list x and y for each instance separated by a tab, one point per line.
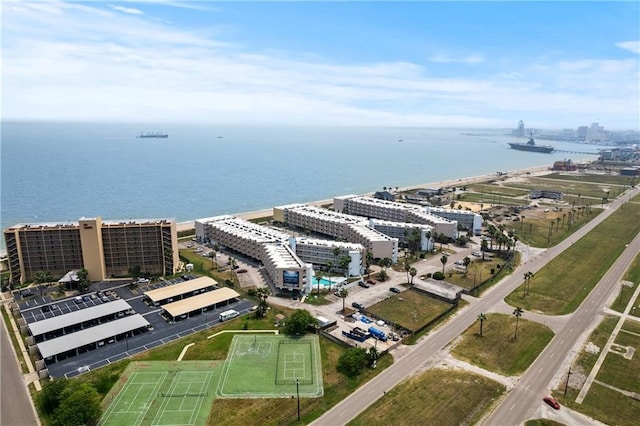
129	10
631	46
68	61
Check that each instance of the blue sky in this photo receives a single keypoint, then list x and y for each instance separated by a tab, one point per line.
432	64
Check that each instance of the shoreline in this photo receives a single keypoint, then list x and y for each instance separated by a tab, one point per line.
190	224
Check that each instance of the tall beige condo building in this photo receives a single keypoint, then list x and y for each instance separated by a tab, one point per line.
106	249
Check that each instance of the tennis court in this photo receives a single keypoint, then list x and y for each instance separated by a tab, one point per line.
162	393
268	366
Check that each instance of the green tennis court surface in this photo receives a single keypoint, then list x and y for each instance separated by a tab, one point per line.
269	366
163	393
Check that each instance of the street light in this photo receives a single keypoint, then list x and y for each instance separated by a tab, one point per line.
298	392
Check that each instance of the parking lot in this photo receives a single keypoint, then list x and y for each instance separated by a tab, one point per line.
161	332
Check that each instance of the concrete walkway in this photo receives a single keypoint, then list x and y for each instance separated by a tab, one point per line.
607	347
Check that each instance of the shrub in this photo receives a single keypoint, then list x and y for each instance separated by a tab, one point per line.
438	275
493	271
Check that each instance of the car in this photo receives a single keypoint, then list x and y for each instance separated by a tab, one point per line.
458	262
45	308
86	298
551	402
54	307
336	293
241	271
104	299
363	284
78	299
142	281
394	290
99	293
372	282
358	306
26	293
476	254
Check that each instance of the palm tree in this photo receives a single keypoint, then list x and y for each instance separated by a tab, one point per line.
466	261
318	276
344	292
518	313
443	259
483	247
263	306
344	262
527	281
368	262
412	272
482	318
407	268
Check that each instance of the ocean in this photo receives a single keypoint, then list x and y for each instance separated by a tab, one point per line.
63	171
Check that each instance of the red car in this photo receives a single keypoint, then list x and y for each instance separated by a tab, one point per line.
551	402
371	282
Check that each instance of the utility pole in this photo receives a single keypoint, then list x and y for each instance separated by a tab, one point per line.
566	385
298	392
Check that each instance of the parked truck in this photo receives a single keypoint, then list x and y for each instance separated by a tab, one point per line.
378	334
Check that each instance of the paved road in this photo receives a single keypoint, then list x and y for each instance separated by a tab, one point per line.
15	404
520	404
367	394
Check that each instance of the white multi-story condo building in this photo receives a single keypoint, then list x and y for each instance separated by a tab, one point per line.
466	218
392	211
322	252
348	227
401	230
287	271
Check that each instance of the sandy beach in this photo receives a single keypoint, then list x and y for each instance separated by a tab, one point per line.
189	225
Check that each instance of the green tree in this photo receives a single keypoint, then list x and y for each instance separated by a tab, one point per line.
135	272
466	261
518	313
80	405
443	260
407	268
482	318
344	292
83	280
49	399
299	321
263	293
412	272
352	361
344	263
318	276
527	281
483	247
368	261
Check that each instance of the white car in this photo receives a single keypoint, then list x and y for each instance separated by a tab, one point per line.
476	254
142	280
459	262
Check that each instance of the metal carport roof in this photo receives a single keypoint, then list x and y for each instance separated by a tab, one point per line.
200	301
91	335
72	318
180	289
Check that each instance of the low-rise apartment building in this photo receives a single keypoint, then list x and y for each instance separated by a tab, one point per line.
468	219
324	252
106	249
402	230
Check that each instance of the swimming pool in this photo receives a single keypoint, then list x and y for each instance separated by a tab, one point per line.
328	281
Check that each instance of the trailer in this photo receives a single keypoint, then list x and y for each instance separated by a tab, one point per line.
378	334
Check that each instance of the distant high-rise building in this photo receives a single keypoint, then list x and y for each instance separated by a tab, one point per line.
520	131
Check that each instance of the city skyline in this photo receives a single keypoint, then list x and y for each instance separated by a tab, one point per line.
431	64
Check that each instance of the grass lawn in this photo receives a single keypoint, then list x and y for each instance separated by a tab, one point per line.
436	397
586	361
561	286
409	309
604	404
535	231
278	411
606	179
477	271
496	350
618	371
625	293
542	422
496	189
474	197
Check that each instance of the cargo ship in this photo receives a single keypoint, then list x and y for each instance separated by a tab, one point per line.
530	145
153	135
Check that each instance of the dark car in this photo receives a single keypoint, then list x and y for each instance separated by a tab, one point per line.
363	284
26	293
395	290
551	402
358	306
372	282
45	308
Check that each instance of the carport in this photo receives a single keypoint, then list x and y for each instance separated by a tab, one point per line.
200	303
160	296
69	323
88	339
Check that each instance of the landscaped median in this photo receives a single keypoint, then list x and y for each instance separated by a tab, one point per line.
561	286
497	349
